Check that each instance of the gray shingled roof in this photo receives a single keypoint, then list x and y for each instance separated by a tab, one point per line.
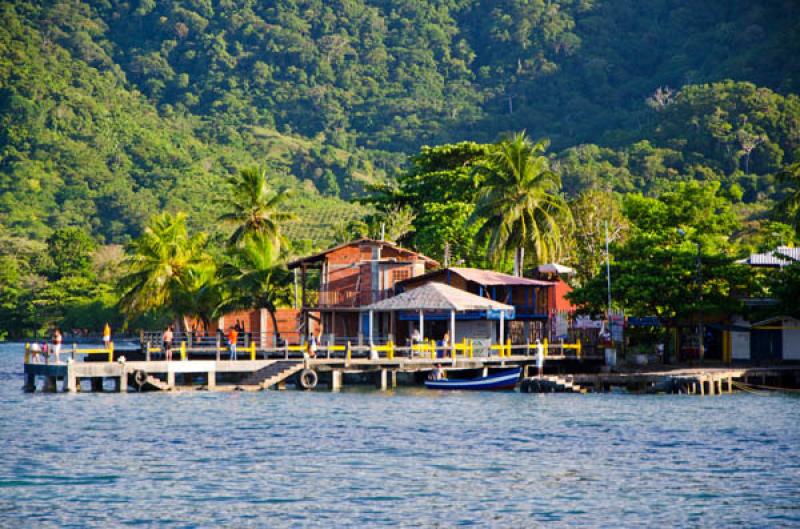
437	296
780	256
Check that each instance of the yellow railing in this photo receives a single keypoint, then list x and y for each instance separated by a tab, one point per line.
388	349
108	351
503	350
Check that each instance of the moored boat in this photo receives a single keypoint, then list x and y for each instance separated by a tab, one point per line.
502	380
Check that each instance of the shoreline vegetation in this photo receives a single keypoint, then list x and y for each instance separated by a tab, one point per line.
171	167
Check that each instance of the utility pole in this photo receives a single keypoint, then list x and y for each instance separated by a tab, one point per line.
701	327
608	276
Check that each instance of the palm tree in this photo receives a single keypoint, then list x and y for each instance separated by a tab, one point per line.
254	277
519	203
199	294
158	263
790	205
253	207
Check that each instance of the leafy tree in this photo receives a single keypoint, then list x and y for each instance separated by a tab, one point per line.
595	212
790	204
72	250
519	205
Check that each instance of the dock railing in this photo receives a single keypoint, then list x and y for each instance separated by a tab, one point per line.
388	350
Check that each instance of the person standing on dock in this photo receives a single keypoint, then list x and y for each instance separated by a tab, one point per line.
107	335
166	339
539	357
441	353
233	335
57	340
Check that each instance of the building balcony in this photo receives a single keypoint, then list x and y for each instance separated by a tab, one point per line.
351	298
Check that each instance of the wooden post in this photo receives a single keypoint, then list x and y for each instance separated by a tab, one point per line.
171	378
383	379
701	381
394	378
711	385
730	384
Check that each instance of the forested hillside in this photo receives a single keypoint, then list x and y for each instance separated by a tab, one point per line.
112	111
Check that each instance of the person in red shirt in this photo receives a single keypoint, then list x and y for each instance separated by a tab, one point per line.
233	335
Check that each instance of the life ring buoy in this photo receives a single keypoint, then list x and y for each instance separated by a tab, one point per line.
140	377
308	379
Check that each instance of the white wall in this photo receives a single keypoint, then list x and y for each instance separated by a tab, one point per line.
740	345
791	339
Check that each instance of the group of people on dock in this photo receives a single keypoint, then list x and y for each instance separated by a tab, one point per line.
44	349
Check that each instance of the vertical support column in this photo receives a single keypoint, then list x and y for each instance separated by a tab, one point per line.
211	383
702	383
383	382
711	383
50	384
30	383
336	380
70	382
502	330
171	379
453	333
394	378
730	384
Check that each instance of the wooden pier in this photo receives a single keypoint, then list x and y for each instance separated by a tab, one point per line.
690	381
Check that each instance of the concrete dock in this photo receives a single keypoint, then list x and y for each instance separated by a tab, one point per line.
261	369
690	381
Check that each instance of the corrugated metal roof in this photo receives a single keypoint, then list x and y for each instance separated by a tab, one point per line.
321	255
485	278
492	278
437	296
780	256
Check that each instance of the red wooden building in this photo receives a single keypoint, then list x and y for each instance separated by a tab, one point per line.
350	276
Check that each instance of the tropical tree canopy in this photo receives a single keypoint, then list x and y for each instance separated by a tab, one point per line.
519	204
160	263
252	207
255	277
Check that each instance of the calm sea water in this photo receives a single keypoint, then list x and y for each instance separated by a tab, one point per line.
406	459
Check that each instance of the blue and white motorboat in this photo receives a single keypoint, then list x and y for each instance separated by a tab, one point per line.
501	380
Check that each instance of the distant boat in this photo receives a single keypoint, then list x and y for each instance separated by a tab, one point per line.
503	380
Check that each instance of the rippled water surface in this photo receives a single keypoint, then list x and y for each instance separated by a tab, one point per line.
410	458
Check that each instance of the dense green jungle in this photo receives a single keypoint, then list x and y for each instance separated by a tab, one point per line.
124	119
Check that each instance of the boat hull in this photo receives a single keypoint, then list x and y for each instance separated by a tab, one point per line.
497	381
